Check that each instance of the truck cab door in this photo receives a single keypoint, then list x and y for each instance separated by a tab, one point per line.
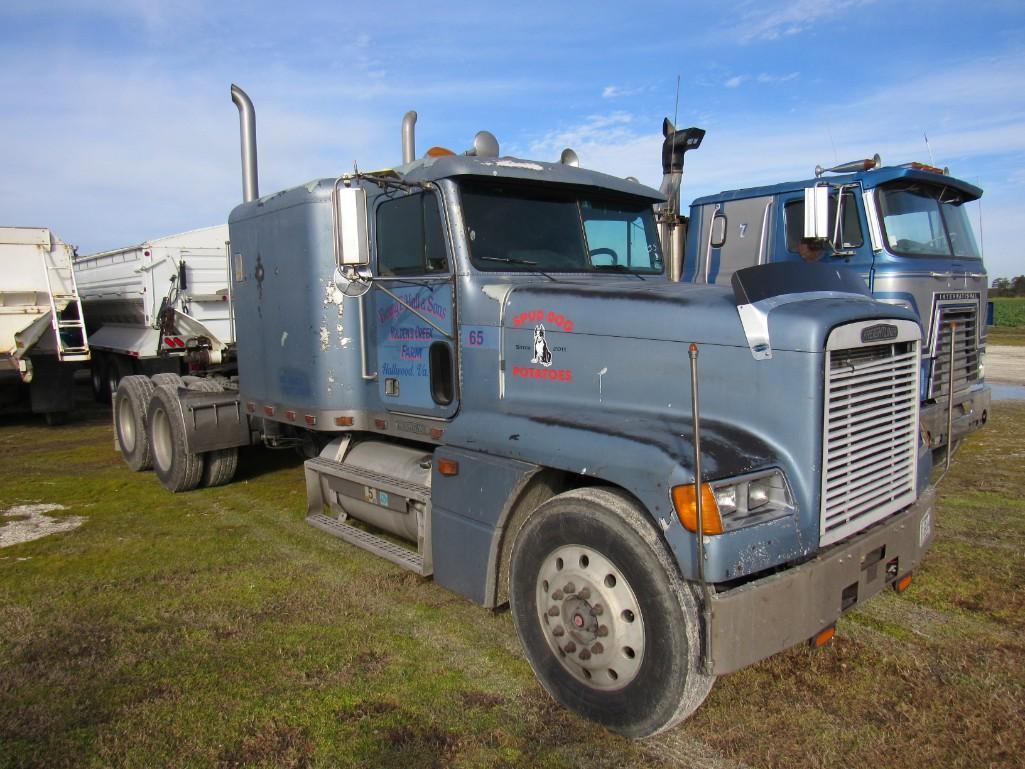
412	307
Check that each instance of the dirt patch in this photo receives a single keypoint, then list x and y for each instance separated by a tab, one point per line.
25	523
1005	364
272	744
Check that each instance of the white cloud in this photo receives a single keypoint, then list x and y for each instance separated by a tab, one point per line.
768	79
764	21
736	81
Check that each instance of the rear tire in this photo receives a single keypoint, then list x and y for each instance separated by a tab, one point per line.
98	377
131	401
177	468
607	623
167	378
117	368
221	464
55	418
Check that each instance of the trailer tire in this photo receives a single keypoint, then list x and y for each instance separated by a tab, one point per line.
98	378
221	464
607	623
55	418
117	368
177	468
131	400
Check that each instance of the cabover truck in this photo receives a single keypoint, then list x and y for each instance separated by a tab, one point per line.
42	337
904	229
504	391
159	306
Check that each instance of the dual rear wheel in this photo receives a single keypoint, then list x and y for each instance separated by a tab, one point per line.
150	429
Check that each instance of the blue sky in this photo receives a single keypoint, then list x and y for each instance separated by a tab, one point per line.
116	125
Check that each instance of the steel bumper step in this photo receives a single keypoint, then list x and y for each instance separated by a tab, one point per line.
385	548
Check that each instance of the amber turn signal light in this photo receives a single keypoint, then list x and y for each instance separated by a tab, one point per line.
687	509
824	636
902	584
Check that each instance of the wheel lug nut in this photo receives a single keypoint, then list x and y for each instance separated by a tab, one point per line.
585	655
569	648
597	610
584	594
570	588
597	648
557	595
558	630
553	611
603	630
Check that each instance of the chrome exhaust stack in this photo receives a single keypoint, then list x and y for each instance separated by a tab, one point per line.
247	128
409	138
671	225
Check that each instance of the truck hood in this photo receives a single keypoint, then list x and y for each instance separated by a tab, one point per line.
682	312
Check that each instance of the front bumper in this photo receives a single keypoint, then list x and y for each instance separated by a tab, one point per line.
971	410
766	616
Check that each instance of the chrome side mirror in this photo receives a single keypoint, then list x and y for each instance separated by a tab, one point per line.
816	212
352	244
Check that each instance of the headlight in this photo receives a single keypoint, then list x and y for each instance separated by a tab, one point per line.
751	499
733	503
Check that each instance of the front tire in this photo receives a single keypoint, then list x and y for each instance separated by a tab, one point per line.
608	625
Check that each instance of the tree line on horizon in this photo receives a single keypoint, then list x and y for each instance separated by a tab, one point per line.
1008	286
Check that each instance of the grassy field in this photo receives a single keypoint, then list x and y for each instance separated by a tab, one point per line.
216	629
1008	321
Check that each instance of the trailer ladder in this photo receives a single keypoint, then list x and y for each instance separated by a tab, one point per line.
68	321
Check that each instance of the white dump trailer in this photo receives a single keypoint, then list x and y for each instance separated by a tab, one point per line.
42	336
162	305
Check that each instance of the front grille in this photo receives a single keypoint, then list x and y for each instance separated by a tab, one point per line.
966	348
870	432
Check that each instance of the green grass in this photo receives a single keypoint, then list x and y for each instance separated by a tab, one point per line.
217	629
1008	321
1009	311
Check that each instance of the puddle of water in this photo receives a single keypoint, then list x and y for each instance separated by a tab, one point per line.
1008	392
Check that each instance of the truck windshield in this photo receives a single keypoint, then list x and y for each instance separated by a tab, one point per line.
926	220
512	227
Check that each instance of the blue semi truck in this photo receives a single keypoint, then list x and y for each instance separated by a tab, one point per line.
904	229
497	385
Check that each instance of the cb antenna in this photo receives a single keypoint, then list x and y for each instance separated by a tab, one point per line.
926	137
676	107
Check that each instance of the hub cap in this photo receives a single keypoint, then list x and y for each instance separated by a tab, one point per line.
590	617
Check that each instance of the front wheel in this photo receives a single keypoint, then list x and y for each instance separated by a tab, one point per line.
608	625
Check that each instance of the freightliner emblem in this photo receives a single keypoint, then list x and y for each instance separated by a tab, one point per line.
879	333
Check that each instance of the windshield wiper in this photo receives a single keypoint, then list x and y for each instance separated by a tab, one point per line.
515	260
622	268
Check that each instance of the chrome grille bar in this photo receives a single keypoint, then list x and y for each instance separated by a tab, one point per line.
870	428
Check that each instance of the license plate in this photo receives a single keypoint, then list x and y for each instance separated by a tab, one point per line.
925	528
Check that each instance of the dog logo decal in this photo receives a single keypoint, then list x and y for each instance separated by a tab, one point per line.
542	354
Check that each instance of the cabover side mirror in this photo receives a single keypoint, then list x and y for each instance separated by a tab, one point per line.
816	212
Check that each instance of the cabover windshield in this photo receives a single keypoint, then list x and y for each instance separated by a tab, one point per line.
516	228
926	220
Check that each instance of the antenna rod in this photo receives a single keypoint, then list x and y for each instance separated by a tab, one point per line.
676	107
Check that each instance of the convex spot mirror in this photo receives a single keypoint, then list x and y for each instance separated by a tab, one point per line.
350	282
352	246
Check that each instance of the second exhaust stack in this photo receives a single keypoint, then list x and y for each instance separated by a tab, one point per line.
247	128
